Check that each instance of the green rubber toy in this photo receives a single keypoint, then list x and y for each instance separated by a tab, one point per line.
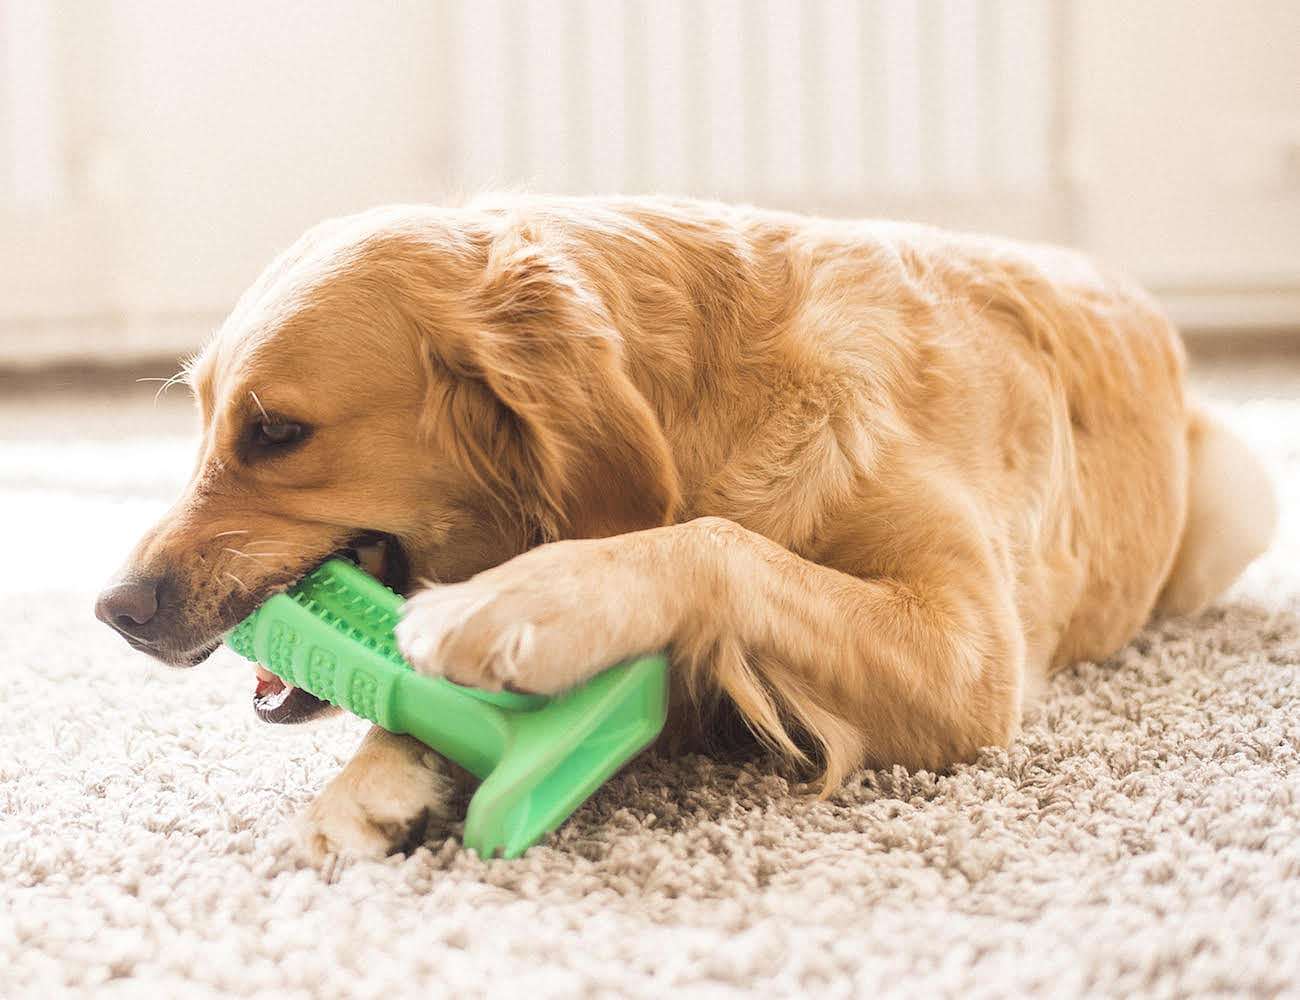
539	758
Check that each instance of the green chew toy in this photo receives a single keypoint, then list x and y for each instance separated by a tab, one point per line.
539	758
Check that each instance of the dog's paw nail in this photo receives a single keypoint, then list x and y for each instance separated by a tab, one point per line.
417	650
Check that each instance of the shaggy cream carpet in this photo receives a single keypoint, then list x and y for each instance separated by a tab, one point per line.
1139	839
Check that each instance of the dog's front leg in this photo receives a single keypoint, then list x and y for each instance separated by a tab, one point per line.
920	672
381	802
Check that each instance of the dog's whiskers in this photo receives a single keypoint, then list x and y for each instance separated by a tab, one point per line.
255	557
238	581
277	541
226	534
167	383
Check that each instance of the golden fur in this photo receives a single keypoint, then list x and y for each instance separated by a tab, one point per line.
871	482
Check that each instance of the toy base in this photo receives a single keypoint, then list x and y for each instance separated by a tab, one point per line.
562	753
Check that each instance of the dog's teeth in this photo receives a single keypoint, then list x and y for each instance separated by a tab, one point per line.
275	699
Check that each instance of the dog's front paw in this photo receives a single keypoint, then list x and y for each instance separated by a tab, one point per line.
543	622
382	802
466	633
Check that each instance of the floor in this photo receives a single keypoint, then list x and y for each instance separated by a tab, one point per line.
1141	838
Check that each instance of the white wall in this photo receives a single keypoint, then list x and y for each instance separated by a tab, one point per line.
190	141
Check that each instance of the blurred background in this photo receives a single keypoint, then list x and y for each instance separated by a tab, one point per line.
154	156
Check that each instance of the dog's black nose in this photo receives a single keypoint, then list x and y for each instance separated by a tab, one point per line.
128	604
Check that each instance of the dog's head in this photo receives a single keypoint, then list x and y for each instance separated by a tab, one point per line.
428	391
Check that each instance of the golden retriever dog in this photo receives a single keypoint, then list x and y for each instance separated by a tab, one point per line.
869	483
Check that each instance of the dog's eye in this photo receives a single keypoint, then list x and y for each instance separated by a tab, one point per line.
271	433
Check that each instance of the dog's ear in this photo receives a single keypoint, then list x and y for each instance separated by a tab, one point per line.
579	443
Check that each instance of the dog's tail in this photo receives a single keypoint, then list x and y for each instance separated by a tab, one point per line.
1231	515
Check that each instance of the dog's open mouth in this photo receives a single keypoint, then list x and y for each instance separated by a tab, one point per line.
382	557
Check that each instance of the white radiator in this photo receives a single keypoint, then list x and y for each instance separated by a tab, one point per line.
838	106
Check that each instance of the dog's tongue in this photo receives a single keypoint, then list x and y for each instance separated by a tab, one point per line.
267	683
276	701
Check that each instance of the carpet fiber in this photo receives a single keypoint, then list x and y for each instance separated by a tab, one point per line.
1140	838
